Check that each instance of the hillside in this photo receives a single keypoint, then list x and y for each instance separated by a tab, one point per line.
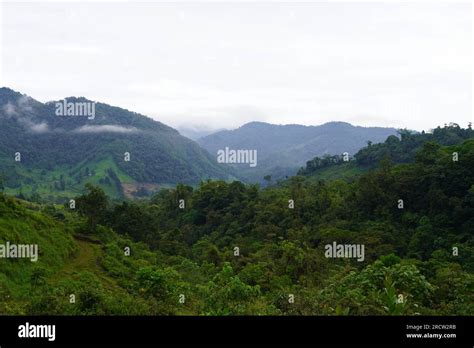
236	249
60	154
68	264
397	150
282	149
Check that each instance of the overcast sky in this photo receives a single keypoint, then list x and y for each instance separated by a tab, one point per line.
220	65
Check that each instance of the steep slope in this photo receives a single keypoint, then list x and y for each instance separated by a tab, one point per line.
66	265
61	153
282	149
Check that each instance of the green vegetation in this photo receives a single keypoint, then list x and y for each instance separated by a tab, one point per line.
235	249
65	182
400	149
56	161
282	149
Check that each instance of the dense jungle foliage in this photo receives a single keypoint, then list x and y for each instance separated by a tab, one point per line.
233	249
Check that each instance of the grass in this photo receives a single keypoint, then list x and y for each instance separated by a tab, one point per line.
22	225
45	181
346	171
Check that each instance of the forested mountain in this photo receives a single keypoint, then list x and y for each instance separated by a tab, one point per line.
282	149
59	154
196	133
402	149
236	249
223	247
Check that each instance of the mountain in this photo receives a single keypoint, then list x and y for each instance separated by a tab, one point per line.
282	149
195	133
401	150
60	153
424	250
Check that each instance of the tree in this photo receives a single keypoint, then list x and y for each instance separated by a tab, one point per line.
92	205
229	295
163	285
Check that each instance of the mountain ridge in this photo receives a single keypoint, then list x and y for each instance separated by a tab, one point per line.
285	148
158	153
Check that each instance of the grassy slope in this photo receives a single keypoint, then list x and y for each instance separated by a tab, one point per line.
66	265
45	182
346	171
85	259
21	224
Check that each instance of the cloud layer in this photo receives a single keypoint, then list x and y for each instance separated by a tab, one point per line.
105	129
221	65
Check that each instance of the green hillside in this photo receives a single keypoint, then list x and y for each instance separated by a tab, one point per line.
396	150
65	182
282	149
54	156
237	249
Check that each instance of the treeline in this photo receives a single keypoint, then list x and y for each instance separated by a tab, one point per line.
322	162
404	149
401	149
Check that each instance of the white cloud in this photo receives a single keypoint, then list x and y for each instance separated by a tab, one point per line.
40	128
9	109
105	129
20	110
221	65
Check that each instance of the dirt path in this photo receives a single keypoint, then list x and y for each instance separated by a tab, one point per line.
86	259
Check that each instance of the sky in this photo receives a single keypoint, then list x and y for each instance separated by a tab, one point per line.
213	65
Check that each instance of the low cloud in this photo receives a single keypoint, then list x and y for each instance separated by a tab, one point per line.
39	127
108	128
9	109
20	110
24	103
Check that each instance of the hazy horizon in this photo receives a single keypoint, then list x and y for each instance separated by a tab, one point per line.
211	66
209	129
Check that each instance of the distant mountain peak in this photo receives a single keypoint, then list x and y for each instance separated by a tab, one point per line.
282	149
